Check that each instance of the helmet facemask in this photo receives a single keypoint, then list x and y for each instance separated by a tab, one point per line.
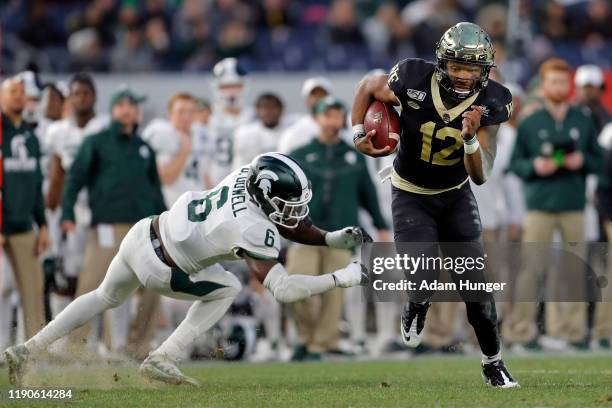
289	213
448	84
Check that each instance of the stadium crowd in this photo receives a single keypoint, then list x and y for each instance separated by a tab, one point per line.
79	172
271	35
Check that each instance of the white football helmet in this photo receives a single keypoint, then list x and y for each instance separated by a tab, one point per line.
229	83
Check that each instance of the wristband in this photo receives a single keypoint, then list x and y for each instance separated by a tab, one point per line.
358	132
470	146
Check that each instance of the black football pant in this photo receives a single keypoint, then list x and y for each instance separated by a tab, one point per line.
448	217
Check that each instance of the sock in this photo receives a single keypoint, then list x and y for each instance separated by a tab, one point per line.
491	359
76	314
200	317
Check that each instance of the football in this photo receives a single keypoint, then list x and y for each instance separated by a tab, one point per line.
385	120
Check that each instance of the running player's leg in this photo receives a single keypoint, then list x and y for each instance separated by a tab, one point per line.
213	289
414	221
119	283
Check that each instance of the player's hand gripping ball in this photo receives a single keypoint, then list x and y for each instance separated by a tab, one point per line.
385	121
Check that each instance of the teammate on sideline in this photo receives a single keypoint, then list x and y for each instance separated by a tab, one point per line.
176	254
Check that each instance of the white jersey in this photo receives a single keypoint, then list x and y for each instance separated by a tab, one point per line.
165	141
63	139
221	128
253	139
206	227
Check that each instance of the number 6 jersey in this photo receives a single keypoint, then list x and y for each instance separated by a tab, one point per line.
430	155
206	227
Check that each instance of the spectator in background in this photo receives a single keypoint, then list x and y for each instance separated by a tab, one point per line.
262	135
119	170
98	15
274	14
64	138
306	128
40	31
387	34
158	38
596	26
236	39
132	53
556	147
343	23
340	184
555	21
22	204
590	87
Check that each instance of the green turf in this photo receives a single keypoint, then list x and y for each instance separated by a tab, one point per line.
573	381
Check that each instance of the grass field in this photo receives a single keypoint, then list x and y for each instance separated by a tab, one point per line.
573	381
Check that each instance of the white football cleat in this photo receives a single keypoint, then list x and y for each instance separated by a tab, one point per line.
160	367
16	358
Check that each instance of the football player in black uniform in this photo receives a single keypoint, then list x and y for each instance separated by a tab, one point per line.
451	111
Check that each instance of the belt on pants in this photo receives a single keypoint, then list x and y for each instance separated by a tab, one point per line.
157	246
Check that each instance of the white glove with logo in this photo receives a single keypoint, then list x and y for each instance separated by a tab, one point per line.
354	274
347	238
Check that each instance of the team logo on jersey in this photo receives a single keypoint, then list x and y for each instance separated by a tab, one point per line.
20	160
485	111
144	152
413	105
416	94
350	157
263	181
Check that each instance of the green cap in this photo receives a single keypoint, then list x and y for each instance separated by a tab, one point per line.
125	92
328	102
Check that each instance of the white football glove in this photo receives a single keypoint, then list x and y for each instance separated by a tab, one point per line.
354	274
347	238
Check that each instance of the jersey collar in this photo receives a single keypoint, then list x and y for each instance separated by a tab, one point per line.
448	115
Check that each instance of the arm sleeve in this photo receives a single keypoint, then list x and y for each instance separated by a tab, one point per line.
39	205
521	162
292	288
594	155
156	184
368	198
78	175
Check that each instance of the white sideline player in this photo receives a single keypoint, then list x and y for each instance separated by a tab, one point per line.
228	112
177	255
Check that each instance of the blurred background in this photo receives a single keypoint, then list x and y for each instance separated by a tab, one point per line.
250	73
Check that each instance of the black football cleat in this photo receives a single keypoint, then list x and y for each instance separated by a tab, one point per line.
413	322
497	375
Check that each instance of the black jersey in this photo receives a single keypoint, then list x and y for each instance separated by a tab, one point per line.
430	152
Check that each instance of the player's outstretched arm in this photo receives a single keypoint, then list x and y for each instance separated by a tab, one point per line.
290	288
308	234
370	88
